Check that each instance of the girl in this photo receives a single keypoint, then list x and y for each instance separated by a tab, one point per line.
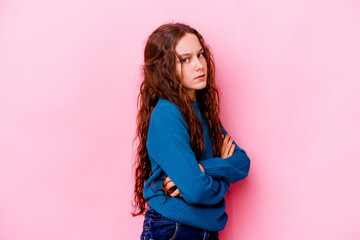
185	159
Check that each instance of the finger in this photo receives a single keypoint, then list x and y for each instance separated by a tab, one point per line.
175	193
169	185
201	167
232	149
166	181
231	141
223	152
228	145
228	148
223	145
226	139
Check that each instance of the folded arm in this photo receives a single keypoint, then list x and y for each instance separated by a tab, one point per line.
168	144
231	169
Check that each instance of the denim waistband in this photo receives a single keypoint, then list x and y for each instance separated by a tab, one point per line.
150	213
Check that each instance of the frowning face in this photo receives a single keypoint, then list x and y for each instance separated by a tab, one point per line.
193	67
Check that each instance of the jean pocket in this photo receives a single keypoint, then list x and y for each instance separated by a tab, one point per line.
163	229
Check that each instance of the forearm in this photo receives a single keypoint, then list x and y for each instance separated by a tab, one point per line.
231	169
169	147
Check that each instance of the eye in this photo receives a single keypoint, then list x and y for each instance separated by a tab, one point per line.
184	60
201	54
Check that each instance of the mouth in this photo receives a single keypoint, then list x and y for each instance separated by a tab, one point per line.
200	76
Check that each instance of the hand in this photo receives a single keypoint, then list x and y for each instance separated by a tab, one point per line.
169	185
227	147
201	167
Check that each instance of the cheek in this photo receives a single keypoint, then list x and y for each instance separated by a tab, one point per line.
187	73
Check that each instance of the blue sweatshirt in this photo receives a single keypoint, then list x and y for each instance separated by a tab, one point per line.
169	147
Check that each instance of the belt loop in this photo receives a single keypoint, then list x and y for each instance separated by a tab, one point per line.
206	235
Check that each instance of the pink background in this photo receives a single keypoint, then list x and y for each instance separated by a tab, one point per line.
289	76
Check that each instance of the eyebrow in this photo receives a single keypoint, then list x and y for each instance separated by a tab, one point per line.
186	54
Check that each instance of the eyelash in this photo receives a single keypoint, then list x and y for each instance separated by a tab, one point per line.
188	58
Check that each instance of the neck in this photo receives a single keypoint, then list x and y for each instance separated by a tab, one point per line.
192	94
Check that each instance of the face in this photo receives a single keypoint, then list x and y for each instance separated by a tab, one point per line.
193	64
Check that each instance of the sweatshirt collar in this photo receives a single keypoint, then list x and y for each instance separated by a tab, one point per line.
195	103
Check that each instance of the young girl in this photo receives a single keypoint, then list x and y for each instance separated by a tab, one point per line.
185	159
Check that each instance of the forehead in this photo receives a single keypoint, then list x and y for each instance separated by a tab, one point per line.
189	43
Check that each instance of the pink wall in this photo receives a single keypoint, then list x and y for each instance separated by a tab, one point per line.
69	74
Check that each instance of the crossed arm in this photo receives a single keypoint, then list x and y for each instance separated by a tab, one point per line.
168	144
227	150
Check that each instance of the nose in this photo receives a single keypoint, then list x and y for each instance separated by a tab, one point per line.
198	65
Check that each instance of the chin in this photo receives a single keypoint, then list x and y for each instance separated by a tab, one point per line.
198	86
203	86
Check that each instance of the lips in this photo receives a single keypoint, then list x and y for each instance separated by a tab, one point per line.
200	76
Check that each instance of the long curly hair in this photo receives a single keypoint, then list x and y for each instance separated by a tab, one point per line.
161	80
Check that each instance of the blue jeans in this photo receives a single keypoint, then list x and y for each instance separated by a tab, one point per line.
158	227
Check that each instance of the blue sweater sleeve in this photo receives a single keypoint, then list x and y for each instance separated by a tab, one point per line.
231	169
168	144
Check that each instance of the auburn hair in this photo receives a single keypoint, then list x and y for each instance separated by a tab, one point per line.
159	79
